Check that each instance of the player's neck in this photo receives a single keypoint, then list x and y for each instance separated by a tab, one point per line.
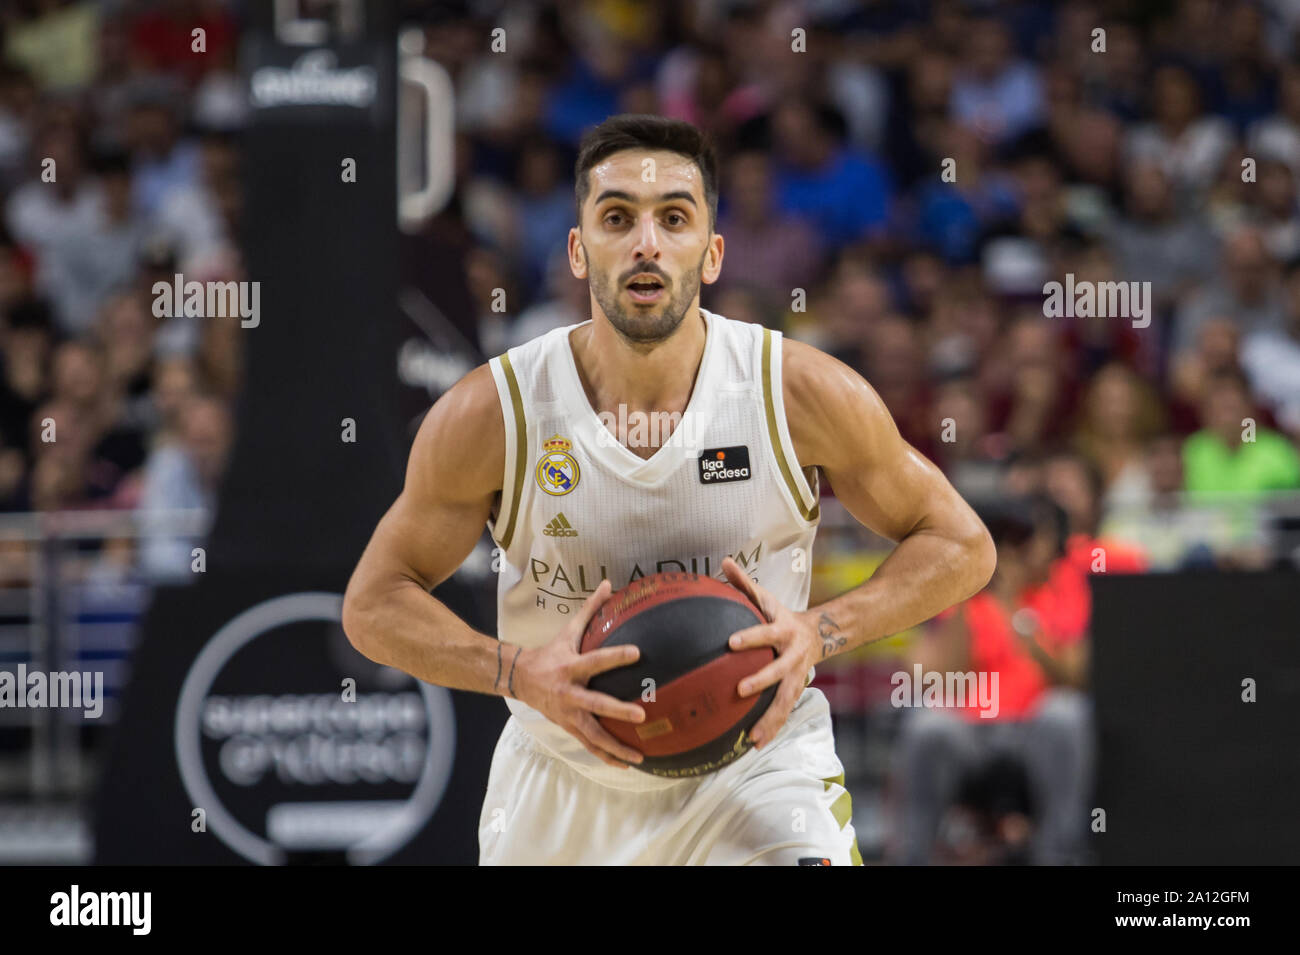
659	378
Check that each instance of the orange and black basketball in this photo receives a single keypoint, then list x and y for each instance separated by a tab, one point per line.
687	675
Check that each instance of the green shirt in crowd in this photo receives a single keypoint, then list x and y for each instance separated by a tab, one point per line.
1269	463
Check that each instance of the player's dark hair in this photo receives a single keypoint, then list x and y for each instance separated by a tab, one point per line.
647	132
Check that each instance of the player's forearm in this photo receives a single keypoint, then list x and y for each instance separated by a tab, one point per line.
924	575
407	628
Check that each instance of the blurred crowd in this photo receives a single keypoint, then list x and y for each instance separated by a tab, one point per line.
1079	138
119	168
899	183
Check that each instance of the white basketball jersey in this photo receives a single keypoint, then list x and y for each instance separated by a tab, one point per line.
577	506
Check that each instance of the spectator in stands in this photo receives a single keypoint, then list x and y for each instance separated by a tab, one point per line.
840	319
961	444
1156	238
1232	452
18	101
1248	292
996	95
842	191
1074	485
1274	210
1271	360
15	277
1042	721
565	303
175	382
962	328
126	330
1096	340
1035	393
1120	413
26	340
541	207
1176	532
744	303
953	214
92	264
115	446
892	359
492	289
162	36
46	215
1186	143
191	215
1278	136
766	250
162	160
62	437
1216	350
57	44
182	476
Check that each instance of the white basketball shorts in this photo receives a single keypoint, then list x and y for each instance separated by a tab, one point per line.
782	805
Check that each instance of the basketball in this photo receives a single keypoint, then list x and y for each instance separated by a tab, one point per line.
686	676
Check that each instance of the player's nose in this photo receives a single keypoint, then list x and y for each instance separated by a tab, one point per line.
647	240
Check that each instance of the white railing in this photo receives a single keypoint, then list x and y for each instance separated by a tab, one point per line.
72	592
1266	525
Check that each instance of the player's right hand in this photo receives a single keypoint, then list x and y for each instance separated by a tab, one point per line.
552	679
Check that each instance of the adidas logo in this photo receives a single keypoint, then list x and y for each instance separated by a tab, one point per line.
559	527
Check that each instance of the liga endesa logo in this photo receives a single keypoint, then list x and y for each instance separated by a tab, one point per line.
281	757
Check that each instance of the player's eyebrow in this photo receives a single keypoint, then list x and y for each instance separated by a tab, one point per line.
628	197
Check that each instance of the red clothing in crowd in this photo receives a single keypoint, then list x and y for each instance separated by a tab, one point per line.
1120	557
163	42
1064	607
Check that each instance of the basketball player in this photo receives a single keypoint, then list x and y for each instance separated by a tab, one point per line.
553	446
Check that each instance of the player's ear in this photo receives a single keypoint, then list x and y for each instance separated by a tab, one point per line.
712	266
577	254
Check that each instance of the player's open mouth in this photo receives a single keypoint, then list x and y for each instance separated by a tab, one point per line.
645	288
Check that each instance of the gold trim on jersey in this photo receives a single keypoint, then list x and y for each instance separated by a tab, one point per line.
521	448
842	810
774	433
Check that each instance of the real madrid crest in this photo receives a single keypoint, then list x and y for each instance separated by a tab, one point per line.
557	471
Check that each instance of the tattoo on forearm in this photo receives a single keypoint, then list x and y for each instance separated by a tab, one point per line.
829	631
510	681
497	682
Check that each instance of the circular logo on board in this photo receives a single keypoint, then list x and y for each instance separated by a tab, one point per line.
557	471
285	750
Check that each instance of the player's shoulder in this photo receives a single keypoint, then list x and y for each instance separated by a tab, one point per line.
823	397
465	428
472	399
815	381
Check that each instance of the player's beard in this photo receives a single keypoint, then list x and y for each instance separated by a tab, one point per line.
646	326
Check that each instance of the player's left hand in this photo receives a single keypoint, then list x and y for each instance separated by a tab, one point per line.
797	645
